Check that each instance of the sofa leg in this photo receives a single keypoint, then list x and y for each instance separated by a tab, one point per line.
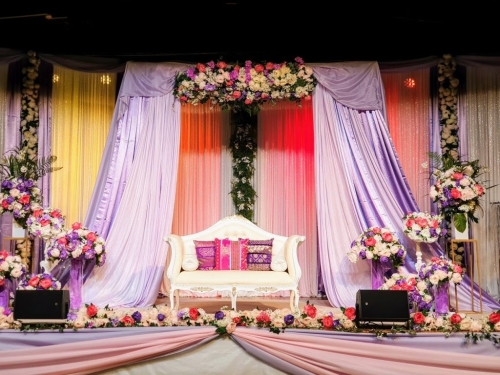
174	305
234	294
294	300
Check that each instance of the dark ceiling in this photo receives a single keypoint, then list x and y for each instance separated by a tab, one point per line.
248	30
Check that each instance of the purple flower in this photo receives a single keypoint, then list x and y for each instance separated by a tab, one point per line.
209	87
362	254
289	319
211	64
161	317
137	316
384	259
400	253
115	322
299	60
7	184
219	315
7	311
180	314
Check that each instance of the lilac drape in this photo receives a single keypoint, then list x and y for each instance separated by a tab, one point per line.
359	180
132	204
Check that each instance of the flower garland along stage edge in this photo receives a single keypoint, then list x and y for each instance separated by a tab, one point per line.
227	321
243	89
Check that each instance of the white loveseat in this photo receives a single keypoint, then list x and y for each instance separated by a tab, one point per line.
284	275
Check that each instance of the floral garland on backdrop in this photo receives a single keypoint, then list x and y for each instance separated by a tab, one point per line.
244	89
29	106
448	99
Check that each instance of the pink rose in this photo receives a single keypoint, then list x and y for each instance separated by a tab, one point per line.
236	94
221	65
455	319
91	310
76	226
259	68
418	318
128	321
45	283
37	213
327	321
410	223
193	313
457	176
263	317
422	222
350	313
34	281
248	101
387	237
91	236
201	67
455	193
434	223
370	241
25	199
494	318
376	230
269	66
310	311
479	189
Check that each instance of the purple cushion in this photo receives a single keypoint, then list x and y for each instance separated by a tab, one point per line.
205	252
259	255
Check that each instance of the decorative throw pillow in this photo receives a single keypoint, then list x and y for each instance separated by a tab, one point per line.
259	255
230	255
205	252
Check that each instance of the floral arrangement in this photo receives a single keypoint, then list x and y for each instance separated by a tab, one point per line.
378	244
456	189
422	226
45	222
245	87
448	99
418	294
243	146
41	281
17	195
11	267
77	243
441	270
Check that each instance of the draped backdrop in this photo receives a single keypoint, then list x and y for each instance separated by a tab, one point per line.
327	169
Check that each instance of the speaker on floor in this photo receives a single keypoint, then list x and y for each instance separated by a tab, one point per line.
41	306
382	308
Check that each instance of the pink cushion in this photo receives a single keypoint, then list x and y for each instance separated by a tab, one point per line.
205	252
230	255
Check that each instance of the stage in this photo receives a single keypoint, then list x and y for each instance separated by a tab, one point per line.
247	350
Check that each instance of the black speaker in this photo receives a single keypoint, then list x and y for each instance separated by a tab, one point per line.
41	306
382	308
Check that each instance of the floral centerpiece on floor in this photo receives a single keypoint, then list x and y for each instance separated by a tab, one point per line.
378	244
45	222
42	281
418	293
77	243
457	189
422	226
441	270
247	86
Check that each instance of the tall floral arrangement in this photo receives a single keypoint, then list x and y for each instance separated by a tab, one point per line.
378	244
457	189
245	87
42	281
77	243
422	226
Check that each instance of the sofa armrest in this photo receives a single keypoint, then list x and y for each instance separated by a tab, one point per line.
290	253
177	252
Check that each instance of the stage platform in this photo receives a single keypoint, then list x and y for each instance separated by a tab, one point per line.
248	350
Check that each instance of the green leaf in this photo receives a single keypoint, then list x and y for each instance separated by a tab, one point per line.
460	222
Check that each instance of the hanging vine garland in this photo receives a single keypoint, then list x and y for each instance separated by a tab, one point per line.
243	89
448	99
29	107
243	146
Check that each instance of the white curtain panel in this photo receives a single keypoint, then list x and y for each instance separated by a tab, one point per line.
480	104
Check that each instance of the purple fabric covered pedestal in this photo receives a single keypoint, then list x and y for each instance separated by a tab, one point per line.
441	301
5	293
75	286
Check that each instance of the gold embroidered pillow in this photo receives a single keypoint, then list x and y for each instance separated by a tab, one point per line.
259	255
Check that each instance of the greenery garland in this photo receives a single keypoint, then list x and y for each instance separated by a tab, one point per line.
29	107
448	99
243	146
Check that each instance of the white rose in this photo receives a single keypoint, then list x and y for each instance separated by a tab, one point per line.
456	278
55	253
369	255
76	253
352	256
4	266
390	282
497	327
347	323
16	272
421	285
465	324
14	193
434	279
98	249
476	326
